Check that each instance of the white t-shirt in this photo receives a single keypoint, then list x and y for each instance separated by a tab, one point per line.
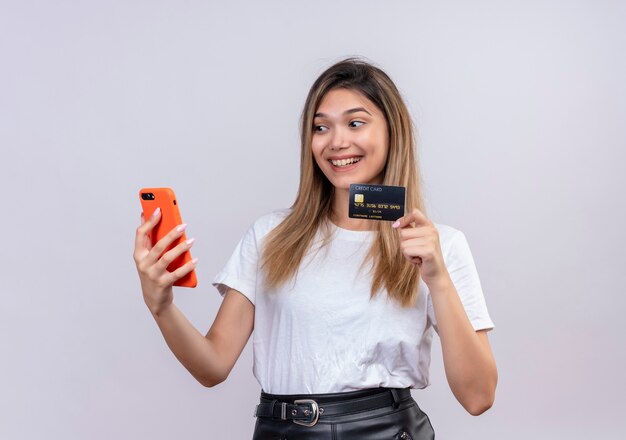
321	333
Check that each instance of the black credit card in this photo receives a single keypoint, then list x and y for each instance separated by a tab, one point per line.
376	202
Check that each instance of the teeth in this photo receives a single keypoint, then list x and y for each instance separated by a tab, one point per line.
344	162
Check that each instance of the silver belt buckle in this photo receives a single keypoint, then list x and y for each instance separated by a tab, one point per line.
314	409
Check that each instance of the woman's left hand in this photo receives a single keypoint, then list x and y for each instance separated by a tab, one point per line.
420	245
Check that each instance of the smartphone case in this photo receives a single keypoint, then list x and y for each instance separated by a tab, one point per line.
165	199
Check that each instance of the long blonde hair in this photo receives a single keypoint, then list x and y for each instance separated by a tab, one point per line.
288	243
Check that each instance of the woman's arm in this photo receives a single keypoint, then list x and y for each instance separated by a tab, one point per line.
468	360
208	358
469	363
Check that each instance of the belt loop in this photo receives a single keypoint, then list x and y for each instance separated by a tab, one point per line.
272	407
396	399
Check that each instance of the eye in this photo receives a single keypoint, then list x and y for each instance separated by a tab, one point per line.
355	124
320	128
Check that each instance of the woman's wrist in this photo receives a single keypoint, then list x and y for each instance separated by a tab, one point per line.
157	308
160	310
440	284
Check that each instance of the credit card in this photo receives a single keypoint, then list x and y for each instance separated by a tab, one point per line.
376	202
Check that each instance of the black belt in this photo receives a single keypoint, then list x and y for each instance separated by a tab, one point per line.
307	411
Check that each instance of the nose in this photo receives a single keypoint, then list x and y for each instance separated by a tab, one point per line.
340	140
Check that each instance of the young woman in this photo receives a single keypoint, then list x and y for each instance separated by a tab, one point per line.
343	309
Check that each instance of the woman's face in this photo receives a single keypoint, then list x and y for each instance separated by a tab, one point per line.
350	141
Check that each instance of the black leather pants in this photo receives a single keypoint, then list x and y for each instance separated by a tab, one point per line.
404	422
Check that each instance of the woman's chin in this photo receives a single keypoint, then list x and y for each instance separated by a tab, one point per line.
343	184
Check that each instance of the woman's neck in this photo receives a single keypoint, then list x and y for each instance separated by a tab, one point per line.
339	213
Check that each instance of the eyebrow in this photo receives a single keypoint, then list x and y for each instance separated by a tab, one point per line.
347	112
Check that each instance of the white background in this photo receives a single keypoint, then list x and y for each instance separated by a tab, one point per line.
520	108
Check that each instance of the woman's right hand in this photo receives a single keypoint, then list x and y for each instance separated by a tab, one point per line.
156	280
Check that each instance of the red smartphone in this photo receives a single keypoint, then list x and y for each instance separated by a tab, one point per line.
164	198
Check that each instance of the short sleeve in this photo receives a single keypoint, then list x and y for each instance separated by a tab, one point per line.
460	264
240	272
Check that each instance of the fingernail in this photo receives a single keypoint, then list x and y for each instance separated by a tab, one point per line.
156	212
195	260
191	240
182	227
396	224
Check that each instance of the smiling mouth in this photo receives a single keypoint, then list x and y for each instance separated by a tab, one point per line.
345	162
